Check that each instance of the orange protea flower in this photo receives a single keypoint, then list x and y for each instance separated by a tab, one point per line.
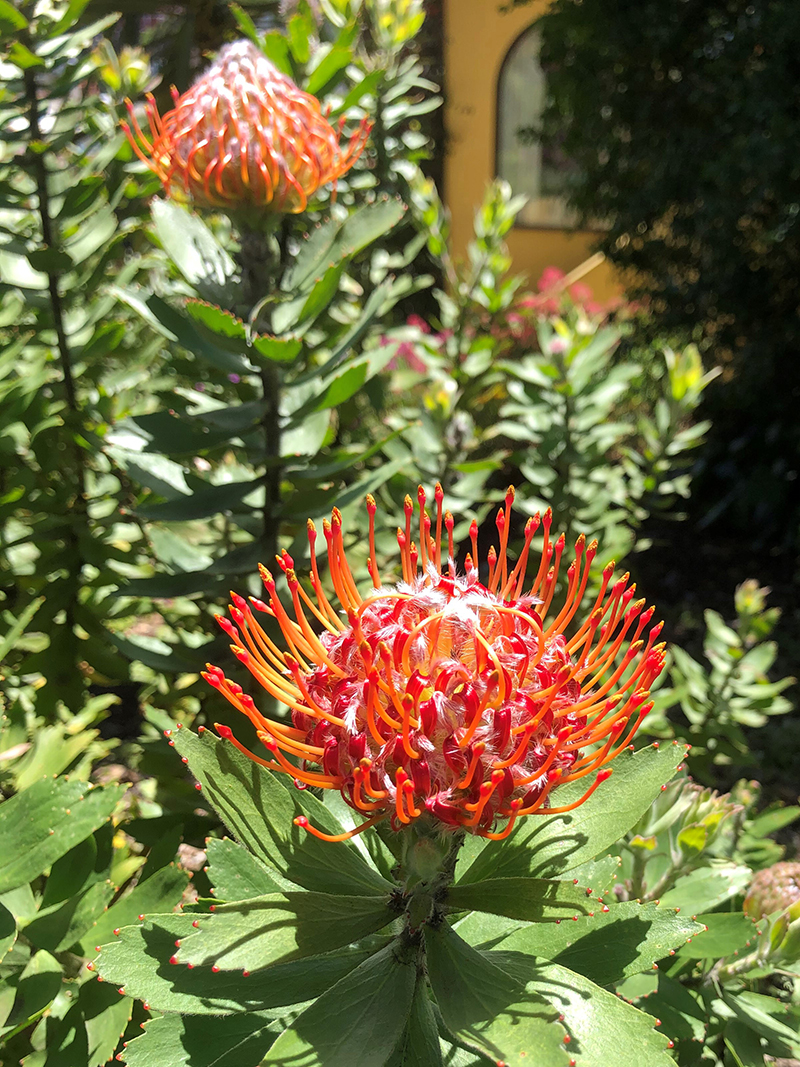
244	135
441	696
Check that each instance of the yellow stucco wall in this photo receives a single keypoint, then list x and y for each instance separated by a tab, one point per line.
477	38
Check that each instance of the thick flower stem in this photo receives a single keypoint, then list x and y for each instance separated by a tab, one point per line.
261	260
271	391
72	419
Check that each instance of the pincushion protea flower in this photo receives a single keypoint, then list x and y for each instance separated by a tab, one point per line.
439	696
244	135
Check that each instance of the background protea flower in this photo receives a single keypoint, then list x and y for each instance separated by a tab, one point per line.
244	135
773	889
442	697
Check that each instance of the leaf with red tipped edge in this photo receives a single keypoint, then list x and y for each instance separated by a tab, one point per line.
529	899
161	892
259	807
235	873
549	846
232	1041
597	1020
617	941
90	1031
254	934
138	958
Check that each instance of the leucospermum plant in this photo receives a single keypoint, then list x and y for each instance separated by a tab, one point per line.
387	900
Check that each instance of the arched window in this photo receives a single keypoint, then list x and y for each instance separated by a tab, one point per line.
538	169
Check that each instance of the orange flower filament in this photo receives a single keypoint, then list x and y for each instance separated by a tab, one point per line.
244	135
441	696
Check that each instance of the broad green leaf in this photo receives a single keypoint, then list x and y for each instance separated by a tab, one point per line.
328	70
277	349
548	846
743	1044
761	1013
138	960
90	1031
260	812
531	899
768	822
420	1045
225	324
597	1021
682	1017
38	986
727	933
609	946
333	242
8	930
246	24
341	388
490	1009
708	887
203	503
69	874
160	893
235	873
10	17
235	1041
178	327
67	924
45	822
253	934
597	875
195	251
358	1021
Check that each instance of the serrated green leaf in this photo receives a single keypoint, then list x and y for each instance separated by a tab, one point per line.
260	811
91	1030
595	1019
358	1021
277	928
277	349
708	887
610	945
137	958
727	933
203	1042
45	822
489	1008
549	846
682	1017
531	899
160	893
235	873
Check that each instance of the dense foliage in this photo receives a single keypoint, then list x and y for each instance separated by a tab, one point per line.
678	116
181	390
